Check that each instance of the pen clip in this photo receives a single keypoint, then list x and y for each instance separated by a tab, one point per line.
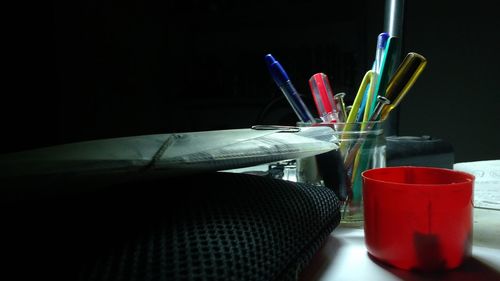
280	128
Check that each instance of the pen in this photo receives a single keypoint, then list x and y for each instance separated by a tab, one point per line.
361	111
381	44
404	78
281	78
388	59
360	159
382	102
323	97
351	118
379	52
367	79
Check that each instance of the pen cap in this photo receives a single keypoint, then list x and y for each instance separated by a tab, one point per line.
277	72
382	40
381	44
269	59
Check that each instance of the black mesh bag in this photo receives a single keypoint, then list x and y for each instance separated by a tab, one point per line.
213	226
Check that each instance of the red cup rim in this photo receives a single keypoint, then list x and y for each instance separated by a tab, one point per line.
467	177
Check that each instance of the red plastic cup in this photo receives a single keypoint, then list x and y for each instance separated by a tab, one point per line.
418	218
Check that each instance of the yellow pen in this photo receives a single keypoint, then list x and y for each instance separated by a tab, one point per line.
402	80
369	78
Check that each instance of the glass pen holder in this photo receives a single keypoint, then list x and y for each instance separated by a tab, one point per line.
362	146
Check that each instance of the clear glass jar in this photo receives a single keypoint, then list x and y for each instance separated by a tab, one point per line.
362	146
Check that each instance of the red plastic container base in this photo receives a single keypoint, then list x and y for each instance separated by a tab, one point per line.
418	218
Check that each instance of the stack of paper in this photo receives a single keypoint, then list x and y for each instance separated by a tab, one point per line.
486	184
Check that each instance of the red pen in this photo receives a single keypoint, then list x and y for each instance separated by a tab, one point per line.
323	97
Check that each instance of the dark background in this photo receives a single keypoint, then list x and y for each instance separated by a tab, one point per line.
83	70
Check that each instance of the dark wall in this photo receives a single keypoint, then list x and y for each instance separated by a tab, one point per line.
99	69
457	98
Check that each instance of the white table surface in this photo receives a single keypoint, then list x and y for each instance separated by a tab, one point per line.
344	257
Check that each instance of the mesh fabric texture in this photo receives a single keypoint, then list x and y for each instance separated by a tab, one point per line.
214	226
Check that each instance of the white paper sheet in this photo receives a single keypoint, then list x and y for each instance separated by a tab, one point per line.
487	183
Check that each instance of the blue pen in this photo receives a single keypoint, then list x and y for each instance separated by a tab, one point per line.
381	44
379	52
387	62
361	110
281	78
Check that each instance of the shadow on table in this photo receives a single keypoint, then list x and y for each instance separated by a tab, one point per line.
321	260
471	269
